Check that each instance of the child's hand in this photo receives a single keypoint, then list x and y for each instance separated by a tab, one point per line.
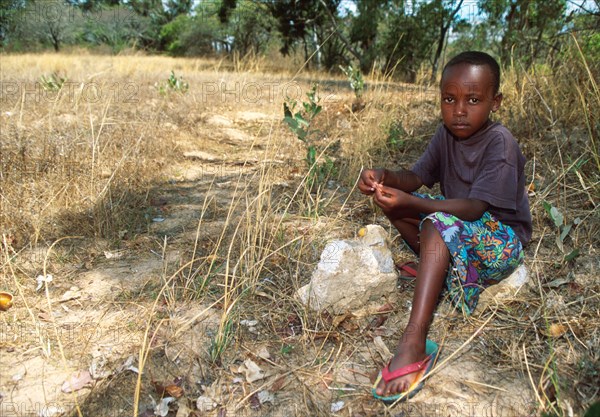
390	198
369	179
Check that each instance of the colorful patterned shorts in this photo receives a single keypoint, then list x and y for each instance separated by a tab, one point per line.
482	253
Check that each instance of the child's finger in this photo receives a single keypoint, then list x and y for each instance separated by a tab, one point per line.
384	191
382	201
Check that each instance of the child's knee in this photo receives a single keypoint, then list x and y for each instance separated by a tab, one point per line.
428	228
427	224
435	217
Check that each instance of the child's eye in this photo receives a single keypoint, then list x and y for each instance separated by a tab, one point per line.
473	100
448	100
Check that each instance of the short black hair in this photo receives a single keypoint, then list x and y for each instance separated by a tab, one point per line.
477	58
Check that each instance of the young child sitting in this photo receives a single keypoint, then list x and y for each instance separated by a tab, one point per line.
470	237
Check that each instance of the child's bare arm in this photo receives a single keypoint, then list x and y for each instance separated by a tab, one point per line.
404	180
466	209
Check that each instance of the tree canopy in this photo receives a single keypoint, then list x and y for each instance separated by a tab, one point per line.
391	36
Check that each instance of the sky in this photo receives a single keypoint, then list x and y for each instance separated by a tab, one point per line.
469	9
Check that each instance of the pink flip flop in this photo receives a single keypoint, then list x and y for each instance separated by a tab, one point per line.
410	270
421	369
388	375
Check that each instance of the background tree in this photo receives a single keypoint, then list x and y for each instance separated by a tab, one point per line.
10	10
193	35
415	35
252	26
525	28
90	5
299	22
42	23
446	15
393	36
106	22
364	29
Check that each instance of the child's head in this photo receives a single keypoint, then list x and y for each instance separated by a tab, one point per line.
469	89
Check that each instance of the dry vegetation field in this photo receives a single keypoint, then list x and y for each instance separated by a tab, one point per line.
176	224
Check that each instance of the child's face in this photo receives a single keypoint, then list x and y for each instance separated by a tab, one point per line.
468	98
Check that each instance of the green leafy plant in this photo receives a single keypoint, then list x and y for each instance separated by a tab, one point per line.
286	349
300	119
355	78
53	82
396	135
173	84
563	228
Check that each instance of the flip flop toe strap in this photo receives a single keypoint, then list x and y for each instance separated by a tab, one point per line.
409	269
388	375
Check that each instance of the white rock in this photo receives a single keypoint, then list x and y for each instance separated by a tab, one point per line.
50	411
236	135
337	406
252	371
252	116
505	289
217	120
352	273
200	155
205	403
263	353
265	396
41	279
162	409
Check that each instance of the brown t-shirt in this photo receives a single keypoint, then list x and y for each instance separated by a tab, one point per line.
488	166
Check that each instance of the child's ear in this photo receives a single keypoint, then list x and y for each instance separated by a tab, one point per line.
497	102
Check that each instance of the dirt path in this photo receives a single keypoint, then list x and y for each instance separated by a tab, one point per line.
88	331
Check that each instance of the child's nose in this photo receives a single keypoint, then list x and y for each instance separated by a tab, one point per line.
460	109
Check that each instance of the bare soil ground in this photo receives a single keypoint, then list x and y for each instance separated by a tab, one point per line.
138	320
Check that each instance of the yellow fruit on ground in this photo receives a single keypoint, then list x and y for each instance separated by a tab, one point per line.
6	301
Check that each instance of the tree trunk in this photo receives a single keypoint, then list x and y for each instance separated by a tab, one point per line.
306	60
444	28
506	42
317	47
341	37
55	37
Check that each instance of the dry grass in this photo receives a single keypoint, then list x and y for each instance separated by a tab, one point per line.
102	168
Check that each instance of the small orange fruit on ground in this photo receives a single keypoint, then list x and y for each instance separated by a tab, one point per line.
6	301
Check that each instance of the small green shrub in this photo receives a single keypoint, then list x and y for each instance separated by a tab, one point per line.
396	135
300	119
53	82
563	228
173	84
355	78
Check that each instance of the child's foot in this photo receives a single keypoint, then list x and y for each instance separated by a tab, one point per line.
407	353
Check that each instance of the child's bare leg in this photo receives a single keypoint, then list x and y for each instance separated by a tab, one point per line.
430	278
407	223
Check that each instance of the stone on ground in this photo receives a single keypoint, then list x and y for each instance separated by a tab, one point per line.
504	290
352	274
